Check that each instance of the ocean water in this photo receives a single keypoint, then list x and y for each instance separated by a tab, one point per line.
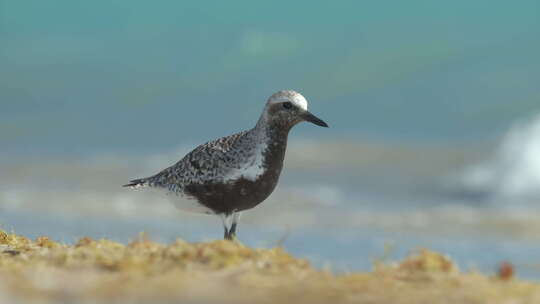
434	114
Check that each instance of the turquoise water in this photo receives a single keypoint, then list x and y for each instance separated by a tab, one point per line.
433	107
100	76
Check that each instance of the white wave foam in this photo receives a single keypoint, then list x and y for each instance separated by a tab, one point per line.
513	172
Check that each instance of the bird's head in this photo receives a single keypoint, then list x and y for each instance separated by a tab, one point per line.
288	108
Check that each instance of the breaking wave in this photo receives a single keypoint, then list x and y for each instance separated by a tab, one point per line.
513	172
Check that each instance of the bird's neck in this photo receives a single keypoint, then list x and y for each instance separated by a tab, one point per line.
274	143
274	133
274	138
272	127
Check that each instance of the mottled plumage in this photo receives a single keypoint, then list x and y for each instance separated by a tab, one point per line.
237	172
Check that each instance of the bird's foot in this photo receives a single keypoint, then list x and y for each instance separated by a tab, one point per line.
230	236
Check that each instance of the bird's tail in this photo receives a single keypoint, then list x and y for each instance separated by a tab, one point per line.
136	183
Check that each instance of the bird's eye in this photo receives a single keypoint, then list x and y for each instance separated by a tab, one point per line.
287	105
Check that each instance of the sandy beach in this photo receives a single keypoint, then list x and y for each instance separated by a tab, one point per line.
143	271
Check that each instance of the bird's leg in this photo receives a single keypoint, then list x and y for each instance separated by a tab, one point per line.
232	231
226	235
226	218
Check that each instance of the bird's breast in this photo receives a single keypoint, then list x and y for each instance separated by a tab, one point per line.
249	182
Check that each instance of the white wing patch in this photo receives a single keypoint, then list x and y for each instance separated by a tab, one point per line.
252	168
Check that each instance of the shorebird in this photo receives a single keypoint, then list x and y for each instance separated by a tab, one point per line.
234	173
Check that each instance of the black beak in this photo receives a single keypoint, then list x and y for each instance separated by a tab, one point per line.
307	116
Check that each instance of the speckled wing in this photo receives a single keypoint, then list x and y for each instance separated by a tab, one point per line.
217	161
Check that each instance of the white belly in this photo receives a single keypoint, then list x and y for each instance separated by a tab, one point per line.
182	201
